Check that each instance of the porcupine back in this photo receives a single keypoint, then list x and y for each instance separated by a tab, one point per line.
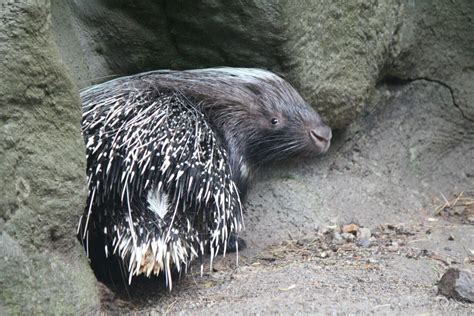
161	189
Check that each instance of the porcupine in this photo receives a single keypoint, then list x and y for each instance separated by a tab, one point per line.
170	155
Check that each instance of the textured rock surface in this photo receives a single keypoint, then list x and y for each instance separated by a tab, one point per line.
100	39
438	45
336	51
400	74
457	284
43	268
332	52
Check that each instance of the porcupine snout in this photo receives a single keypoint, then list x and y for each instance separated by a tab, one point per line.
321	137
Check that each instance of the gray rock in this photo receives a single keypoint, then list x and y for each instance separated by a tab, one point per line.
348	236
363	233
332	52
457	284
406	66
336	51
437	45
42	171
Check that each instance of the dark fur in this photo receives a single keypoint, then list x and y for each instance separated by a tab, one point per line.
241	106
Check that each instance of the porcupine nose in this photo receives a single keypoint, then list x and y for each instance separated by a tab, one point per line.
321	137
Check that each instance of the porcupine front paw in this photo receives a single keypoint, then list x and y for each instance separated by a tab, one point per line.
232	243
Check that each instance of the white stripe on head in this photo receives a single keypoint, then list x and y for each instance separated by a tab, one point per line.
245	74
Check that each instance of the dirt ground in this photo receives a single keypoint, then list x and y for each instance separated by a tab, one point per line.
403	181
396	272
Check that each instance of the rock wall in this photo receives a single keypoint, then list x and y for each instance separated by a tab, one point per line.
384	69
332	52
42	171
438	46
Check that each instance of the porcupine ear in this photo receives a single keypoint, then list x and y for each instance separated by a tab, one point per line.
164	182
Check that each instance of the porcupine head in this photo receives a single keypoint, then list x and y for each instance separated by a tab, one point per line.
171	155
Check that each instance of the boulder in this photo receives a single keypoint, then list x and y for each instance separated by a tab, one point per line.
42	171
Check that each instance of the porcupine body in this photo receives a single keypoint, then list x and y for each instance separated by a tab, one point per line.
170	155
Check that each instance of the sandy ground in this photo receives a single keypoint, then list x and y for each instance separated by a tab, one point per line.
318	273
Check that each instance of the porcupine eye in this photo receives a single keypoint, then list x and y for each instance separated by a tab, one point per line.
274	121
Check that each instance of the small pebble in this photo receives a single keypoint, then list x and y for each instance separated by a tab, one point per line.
372	261
329	229
393	247
350	228
451	237
338	239
323	254
348	237
469	259
337	236
364	243
364	233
